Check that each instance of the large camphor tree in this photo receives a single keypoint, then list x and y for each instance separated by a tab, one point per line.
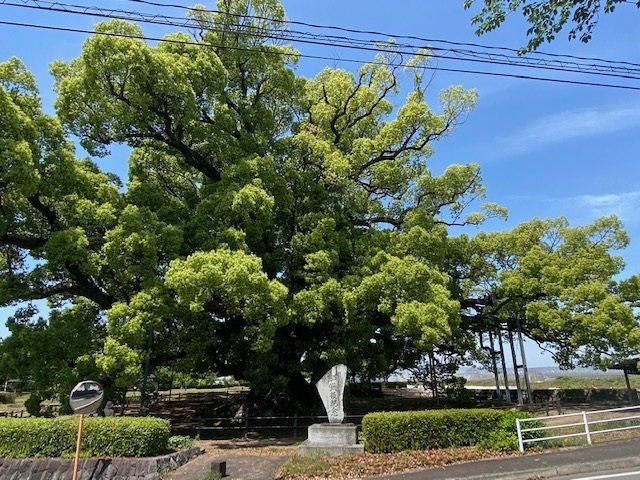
270	225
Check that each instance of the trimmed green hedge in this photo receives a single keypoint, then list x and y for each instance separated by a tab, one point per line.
386	432
102	437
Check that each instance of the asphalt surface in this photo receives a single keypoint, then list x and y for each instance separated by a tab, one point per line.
595	459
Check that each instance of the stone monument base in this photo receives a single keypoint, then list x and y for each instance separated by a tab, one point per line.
331	439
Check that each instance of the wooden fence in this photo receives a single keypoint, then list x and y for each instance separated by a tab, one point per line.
13	414
246	425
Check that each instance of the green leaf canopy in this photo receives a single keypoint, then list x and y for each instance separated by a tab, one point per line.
270	225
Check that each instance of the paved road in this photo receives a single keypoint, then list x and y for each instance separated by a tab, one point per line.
604	457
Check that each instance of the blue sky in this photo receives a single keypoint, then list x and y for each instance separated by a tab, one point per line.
546	149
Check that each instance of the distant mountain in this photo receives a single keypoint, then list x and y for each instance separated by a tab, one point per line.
539	373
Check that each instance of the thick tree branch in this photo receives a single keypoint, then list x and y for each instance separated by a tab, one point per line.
66	288
84	286
390	155
22	242
171	137
46	211
369	112
370	221
333	124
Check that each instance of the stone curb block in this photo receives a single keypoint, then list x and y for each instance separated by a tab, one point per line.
149	468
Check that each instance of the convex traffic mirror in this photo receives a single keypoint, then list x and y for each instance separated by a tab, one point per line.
86	397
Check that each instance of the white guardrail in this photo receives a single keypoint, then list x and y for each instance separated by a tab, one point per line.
584	423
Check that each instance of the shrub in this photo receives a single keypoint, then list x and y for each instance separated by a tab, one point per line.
386	432
33	405
456	392
505	437
36	437
126	437
102	437
180	442
7	397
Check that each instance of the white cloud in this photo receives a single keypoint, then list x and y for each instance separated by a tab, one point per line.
568	125
581	209
624	205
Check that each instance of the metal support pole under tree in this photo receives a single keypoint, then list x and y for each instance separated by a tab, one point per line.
492	352
525	370
629	392
145	378
516	374
503	362
123	402
434	378
171	382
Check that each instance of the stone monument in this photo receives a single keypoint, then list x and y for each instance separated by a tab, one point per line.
335	437
331	390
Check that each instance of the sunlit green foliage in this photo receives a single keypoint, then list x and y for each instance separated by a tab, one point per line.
546	18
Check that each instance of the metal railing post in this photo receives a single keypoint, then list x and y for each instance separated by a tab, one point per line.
246	425
295	426
586	427
520	441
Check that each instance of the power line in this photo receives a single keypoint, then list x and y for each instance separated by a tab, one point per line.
518	58
314	57
476	57
294	35
377	33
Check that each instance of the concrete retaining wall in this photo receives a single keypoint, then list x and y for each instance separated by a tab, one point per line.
94	468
